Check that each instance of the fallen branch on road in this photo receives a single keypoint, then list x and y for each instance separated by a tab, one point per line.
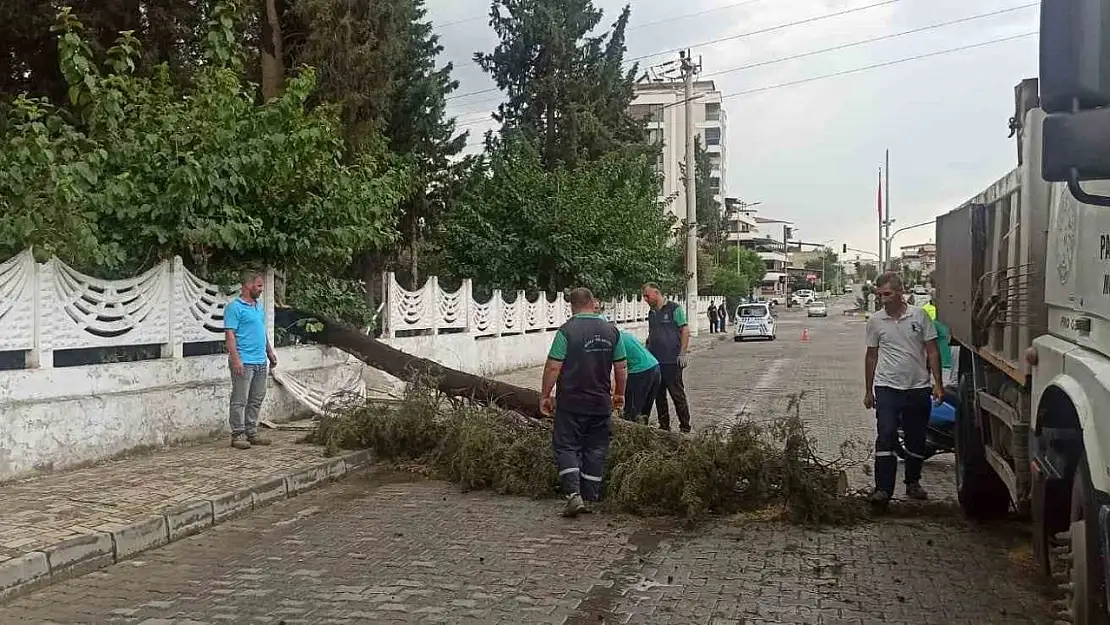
484	434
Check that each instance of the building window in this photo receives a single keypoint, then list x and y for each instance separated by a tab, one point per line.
713	112
646	112
715	185
712	136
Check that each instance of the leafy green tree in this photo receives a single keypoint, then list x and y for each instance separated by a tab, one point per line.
170	29
566	86
711	224
146	170
728	283
522	226
745	263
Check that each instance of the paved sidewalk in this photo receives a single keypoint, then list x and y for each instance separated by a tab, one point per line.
87	518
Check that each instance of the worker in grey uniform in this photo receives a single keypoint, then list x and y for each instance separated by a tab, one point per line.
669	341
586	369
901	359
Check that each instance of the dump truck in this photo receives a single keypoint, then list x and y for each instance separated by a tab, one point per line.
1023	282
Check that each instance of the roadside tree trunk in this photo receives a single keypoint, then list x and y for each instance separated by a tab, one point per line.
272	51
397	363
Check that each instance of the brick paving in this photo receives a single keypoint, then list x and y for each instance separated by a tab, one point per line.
42	511
379	550
387	549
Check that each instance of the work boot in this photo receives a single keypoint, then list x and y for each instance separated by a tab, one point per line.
259	440
685	429
879	499
915	491
239	441
574	507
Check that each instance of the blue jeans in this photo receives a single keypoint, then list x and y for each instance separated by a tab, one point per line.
911	410
247	392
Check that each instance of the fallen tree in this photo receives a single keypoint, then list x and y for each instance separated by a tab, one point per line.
491	436
450	382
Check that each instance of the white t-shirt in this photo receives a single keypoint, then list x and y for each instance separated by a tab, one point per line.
902	363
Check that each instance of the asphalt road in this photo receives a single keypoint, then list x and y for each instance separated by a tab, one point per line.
387	548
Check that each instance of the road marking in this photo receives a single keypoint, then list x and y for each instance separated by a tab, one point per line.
766	382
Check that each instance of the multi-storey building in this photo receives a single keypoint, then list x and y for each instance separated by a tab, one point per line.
660	104
766	237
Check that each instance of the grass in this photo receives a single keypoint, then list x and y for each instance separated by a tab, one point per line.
717	471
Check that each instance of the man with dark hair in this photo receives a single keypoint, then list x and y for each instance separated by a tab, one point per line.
587	362
901	357
668	340
713	320
248	353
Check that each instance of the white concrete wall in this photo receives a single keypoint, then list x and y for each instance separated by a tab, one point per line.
53	419
488	356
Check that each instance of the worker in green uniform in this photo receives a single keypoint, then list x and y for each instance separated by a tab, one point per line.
944	335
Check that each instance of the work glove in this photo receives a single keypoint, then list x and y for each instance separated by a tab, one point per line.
683	361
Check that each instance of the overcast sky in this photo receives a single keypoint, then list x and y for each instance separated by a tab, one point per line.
811	152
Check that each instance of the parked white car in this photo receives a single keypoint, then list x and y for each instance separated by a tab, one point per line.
754	321
817	309
802	297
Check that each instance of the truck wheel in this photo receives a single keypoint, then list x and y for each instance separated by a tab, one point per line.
982	494
1079	565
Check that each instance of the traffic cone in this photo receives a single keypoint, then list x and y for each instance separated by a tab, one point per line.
805	335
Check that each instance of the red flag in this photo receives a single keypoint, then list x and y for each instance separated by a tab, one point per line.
880	195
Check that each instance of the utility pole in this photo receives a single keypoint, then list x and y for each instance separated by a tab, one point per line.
689	69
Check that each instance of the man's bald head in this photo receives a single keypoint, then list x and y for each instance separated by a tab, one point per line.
581	300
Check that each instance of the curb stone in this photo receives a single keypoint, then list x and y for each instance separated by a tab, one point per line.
84	554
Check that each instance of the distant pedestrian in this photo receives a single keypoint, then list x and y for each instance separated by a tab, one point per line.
587	365
248	353
669	341
713	321
643	379
722	317
901	357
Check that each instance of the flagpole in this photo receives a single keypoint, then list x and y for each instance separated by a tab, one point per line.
886	170
880	203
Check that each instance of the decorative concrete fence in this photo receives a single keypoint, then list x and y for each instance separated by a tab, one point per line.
494	336
56	413
164	382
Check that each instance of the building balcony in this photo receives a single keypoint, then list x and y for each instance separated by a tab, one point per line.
773	256
713	149
737	237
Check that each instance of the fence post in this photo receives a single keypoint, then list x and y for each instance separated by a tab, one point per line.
388	331
175	347
497	312
268	295
466	294
436	312
39	357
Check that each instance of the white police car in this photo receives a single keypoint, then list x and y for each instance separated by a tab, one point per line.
754	321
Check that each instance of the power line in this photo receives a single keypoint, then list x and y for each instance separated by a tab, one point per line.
846	72
865	68
769	29
835	48
861	42
631	26
710	42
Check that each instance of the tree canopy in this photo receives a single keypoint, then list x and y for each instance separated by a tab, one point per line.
138	169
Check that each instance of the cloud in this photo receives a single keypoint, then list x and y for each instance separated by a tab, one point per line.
811	152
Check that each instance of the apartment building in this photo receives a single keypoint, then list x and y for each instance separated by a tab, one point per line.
767	237
921	257
660	104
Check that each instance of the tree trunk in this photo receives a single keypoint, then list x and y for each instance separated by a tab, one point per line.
273	64
404	366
